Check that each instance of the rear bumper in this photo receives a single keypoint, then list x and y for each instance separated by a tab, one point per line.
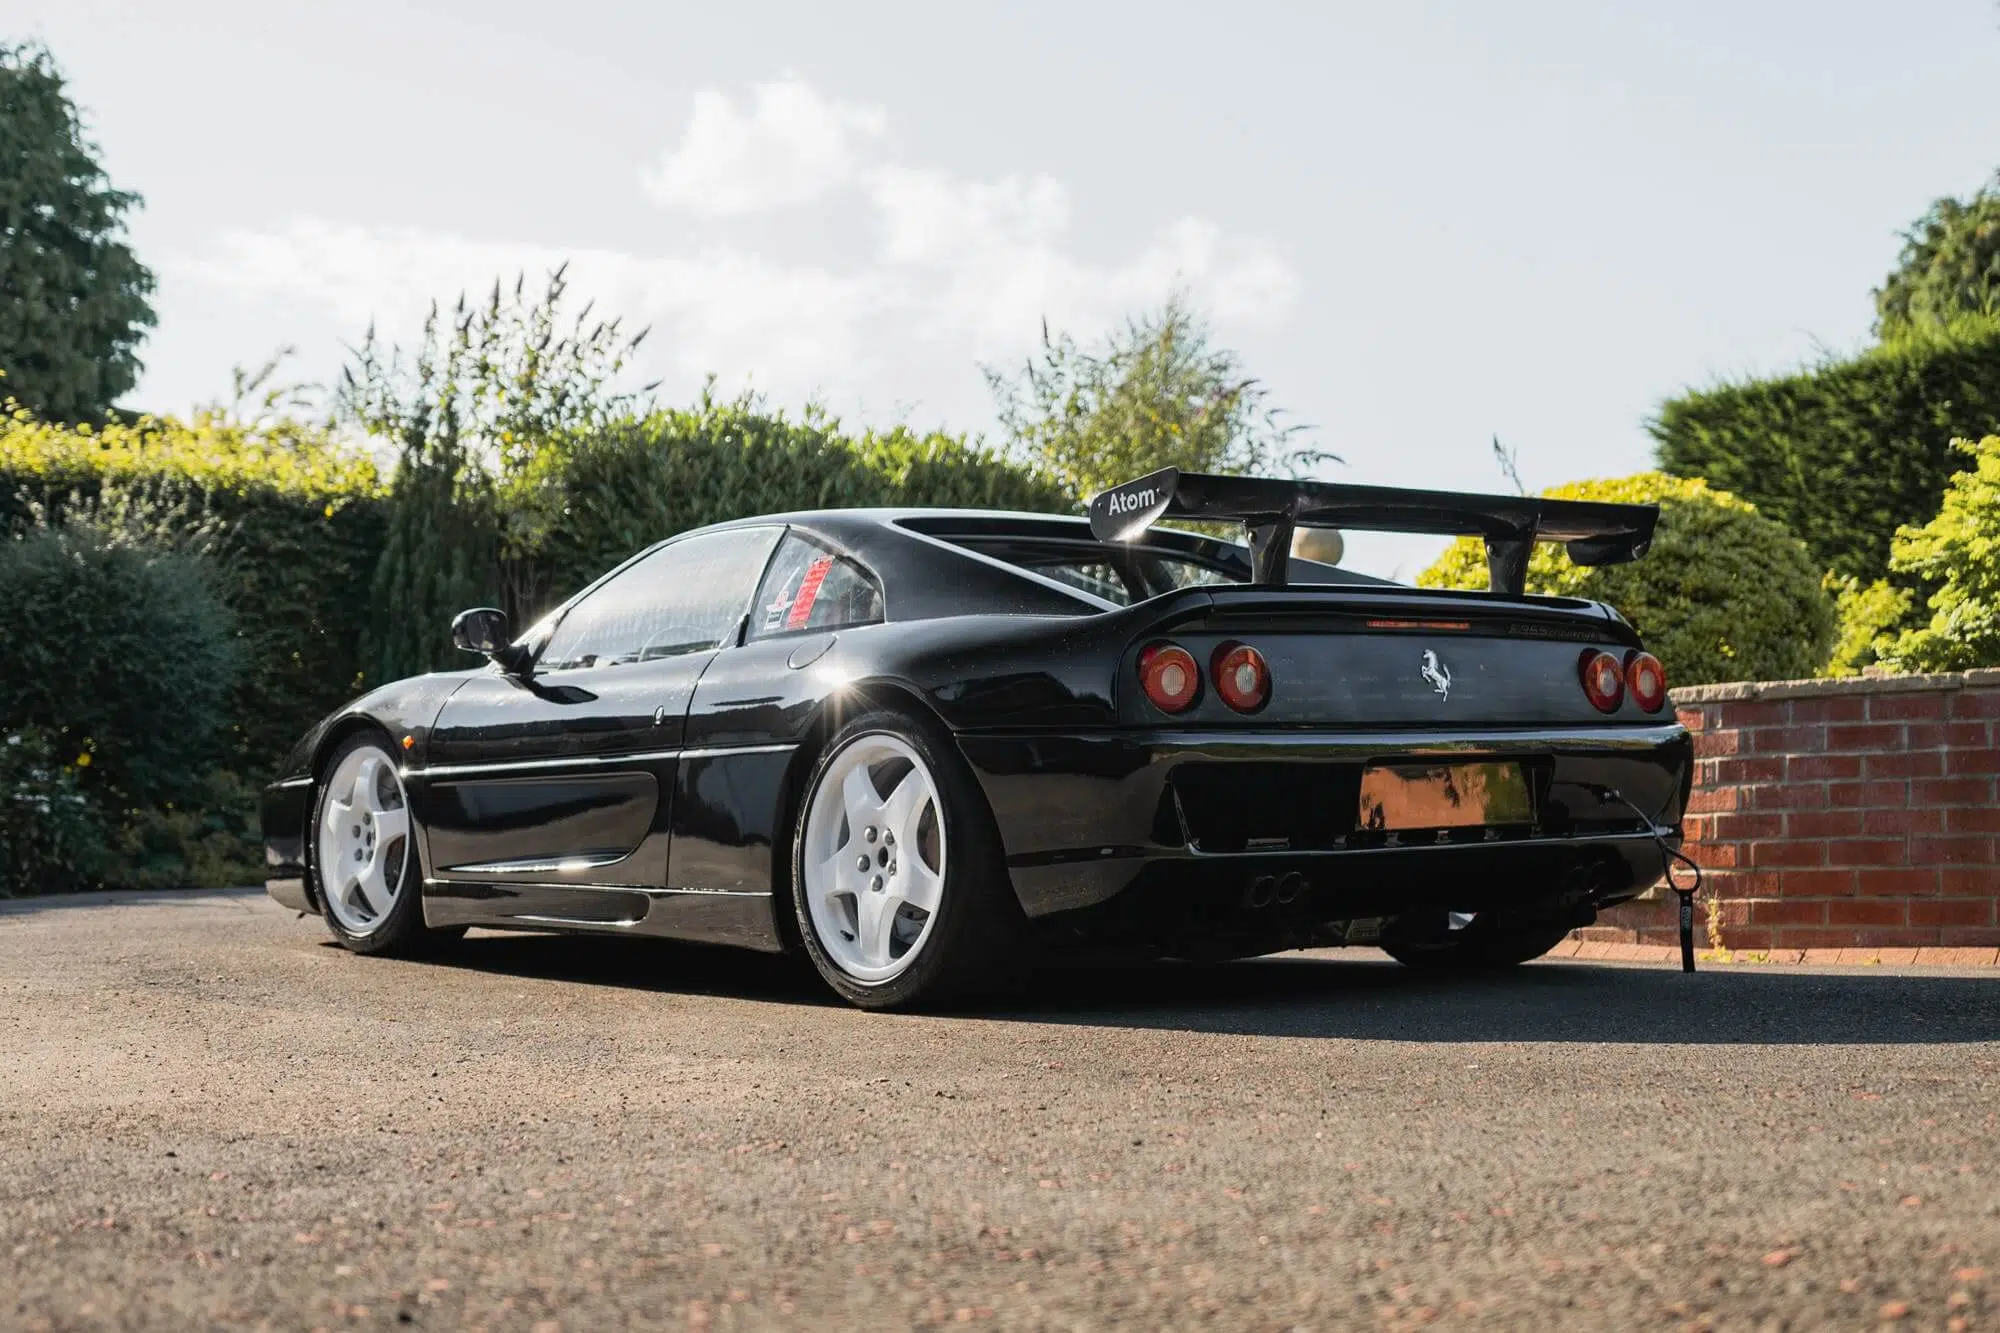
1086	817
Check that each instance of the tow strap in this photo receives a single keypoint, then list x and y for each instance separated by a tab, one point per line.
1669	854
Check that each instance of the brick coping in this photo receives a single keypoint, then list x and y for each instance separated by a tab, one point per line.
1738	691
1608	952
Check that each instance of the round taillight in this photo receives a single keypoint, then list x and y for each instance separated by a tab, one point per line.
1603	680
1647	680
1241	676
1168	674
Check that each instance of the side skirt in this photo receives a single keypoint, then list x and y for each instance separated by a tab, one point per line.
740	919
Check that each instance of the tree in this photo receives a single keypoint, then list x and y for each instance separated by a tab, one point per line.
73	305
476	414
1950	266
1156	392
1724	594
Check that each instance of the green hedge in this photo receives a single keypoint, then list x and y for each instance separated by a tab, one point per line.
293	522
1724	594
605	497
1847	452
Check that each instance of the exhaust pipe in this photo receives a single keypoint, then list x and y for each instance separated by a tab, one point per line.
1290	887
1262	892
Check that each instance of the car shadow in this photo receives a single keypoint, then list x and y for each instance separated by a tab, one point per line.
1365	998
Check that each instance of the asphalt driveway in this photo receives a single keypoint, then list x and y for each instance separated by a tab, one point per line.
209	1117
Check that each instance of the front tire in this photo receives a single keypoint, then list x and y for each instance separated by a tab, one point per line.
364	864
899	884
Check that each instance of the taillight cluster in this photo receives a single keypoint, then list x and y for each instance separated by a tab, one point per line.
1172	679
1607	680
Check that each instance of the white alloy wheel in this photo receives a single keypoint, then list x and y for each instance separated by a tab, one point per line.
873	857
363	841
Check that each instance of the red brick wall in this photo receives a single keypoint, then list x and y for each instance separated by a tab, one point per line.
1840	813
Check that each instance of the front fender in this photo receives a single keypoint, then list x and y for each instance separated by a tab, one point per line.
405	709
401	708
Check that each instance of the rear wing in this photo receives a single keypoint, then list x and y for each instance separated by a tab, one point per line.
1594	533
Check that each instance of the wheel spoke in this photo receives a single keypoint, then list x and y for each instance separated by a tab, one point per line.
363	795
918	883
334	815
875	916
905	807
391	825
858	791
836	875
374	886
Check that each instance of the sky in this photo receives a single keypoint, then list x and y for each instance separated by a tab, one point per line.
1421	225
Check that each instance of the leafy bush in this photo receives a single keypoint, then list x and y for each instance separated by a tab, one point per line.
51	839
124	655
291	521
207	839
1846	452
1958	553
1725	593
1869	615
639	480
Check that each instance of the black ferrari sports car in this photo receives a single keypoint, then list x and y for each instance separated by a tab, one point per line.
921	746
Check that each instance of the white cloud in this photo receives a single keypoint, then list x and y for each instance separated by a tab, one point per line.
949	272
710	309
792	146
994	258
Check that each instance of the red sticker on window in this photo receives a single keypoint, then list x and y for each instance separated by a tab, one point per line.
802	605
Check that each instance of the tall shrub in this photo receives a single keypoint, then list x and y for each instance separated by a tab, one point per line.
1155	393
473	412
1724	594
291	521
122	654
1847	452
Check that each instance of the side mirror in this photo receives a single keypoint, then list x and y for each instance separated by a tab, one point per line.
482	630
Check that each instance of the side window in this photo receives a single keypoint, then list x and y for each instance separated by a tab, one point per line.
809	587
683	598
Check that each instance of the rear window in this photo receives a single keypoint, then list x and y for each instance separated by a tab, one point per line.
1117	573
1133	576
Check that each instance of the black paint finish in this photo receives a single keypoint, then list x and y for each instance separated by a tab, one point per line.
533	822
656	797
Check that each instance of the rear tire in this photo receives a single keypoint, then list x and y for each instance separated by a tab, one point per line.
899	885
362	854
1487	945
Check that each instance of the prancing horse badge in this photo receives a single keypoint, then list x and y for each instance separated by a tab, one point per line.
1438	674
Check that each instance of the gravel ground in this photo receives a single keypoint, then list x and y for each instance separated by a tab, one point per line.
210	1117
